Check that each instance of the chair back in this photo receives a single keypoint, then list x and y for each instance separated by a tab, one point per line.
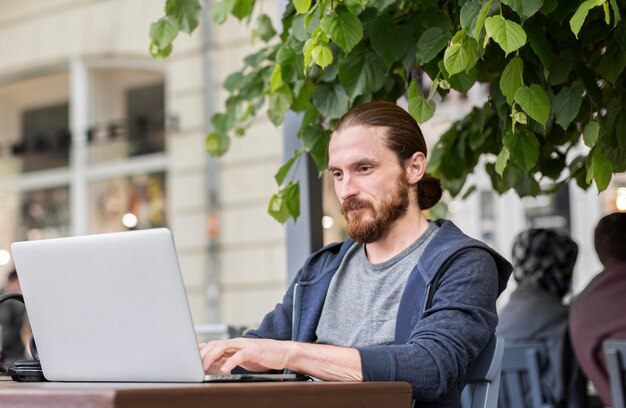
520	366
615	355
483	383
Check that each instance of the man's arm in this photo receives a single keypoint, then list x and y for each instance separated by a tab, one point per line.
329	363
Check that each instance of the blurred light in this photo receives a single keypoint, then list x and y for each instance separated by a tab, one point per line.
327	222
454	206
620	200
5	257
129	220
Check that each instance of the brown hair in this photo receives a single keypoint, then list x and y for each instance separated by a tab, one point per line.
404	137
609	239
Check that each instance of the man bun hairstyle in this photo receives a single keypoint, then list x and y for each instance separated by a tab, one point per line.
404	138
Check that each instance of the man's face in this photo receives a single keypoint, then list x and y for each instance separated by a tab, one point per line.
369	182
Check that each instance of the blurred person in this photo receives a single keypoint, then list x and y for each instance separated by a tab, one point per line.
598	312
543	264
404	299
14	323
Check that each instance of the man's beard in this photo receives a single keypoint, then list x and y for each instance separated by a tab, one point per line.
378	223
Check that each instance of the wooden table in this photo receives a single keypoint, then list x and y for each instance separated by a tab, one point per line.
225	395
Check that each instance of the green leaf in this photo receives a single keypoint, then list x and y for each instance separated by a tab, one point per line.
224	122
617	17
566	104
291	195
217	143
280	101
277	208
540	45
512	78
560	68
302	6
159	53
419	108
185	12
291	63
508	34
264	28
344	28
431	42
591	133
601	170
284	169
524	148
315	142
469	15
276	80
524	8
389	40
502	160
330	100
463	81
220	10
534	101
578	19
480	20
455	59
322	55
164	31
242	8
362	72
307	50
612	62
304	94
234	81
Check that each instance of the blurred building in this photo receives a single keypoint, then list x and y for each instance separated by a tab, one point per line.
96	136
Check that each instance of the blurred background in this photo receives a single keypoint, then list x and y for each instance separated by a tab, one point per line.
96	136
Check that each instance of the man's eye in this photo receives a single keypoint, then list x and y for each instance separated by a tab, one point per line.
364	169
337	174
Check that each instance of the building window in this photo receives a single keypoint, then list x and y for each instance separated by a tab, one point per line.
45	141
43	214
128	203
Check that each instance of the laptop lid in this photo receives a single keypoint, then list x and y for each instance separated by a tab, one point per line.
109	307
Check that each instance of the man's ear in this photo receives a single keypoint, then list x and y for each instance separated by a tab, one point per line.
415	167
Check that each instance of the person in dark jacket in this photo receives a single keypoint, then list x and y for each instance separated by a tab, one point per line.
543	265
598	312
405	299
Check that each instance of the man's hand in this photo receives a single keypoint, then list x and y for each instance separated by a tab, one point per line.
222	356
330	363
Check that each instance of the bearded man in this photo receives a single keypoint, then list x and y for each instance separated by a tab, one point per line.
405	299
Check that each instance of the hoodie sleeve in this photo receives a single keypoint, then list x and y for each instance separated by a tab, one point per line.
277	323
448	336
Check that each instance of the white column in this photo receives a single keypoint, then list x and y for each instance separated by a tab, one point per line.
79	120
586	211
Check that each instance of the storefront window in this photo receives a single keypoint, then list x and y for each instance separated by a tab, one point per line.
128	203
43	214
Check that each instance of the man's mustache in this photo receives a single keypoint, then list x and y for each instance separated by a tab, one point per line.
353	203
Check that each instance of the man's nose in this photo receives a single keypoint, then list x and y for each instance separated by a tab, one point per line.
347	188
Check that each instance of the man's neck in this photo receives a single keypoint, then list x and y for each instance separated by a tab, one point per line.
402	233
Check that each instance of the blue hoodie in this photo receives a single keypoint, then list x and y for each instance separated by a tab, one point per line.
446	316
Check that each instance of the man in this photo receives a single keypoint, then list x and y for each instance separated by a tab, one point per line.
598	312
13	323
404	300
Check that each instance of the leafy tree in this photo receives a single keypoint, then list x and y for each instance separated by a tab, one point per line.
554	69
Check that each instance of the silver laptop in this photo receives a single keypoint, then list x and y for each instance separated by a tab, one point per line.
110	307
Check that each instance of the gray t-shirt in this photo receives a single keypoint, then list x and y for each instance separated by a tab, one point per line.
362	302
